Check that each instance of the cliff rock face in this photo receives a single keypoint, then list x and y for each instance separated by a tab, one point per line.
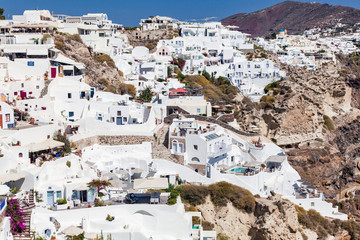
94	70
293	16
272	220
315	115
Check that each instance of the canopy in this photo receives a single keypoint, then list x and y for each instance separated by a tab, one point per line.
72	230
81	188
37	52
47	144
151	183
11	177
179	90
4	189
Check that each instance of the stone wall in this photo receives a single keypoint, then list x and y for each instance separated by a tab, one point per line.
113	140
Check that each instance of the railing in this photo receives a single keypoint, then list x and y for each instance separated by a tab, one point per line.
2	203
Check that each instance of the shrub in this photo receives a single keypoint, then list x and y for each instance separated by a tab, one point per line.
45	37
267	99
111	88
105	58
328	123
61	201
59	44
16	214
68	164
207	226
146	95
271	86
223	192
124	88
63	138
75	37
104	81
193	194
222	236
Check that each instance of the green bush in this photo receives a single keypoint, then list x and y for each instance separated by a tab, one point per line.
193	194
104	81
328	123
146	95
223	192
271	86
68	164
207	226
222	236
61	201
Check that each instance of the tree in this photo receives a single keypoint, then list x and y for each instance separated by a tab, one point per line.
146	95
1	14
99	184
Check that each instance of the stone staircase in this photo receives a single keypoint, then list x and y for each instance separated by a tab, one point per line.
27	209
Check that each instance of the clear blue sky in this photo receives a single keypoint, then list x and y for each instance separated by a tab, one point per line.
129	12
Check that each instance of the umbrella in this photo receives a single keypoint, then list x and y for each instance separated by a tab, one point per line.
11	177
72	230
4	189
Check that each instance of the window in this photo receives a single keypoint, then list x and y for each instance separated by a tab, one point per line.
69	95
71	114
125	119
37	87
15	93
198	110
195	159
20	155
312	204
22	85
58	194
119	113
195	147
7	116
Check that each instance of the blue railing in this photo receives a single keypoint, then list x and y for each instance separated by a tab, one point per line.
2	204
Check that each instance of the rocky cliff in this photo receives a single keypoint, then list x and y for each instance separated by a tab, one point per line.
315	115
72	47
293	16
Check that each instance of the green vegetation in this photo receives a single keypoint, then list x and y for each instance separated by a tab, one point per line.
271	86
104	82
45	37
75	37
111	88
105	58
215	90
60	44
61	201
220	194
222	236
146	95
58	136
2	17
207	226
328	123
174	193
68	164
124	88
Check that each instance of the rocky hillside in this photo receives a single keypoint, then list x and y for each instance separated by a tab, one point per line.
96	67
293	16
315	115
235	214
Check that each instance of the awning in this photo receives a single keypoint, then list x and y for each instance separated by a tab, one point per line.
11	177
68	67
72	230
179	90
4	189
151	183
81	188
48	144
276	159
37	52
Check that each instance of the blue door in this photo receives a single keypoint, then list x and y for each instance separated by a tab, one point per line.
118	120
50	198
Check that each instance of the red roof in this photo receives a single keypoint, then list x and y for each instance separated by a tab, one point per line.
179	90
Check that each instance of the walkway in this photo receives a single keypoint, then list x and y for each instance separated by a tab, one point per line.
27	209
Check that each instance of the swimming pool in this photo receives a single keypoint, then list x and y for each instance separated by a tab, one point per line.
238	170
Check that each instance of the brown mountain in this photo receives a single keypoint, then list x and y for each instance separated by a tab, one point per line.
293	16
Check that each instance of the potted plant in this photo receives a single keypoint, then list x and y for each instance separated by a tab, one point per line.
46	75
110	218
